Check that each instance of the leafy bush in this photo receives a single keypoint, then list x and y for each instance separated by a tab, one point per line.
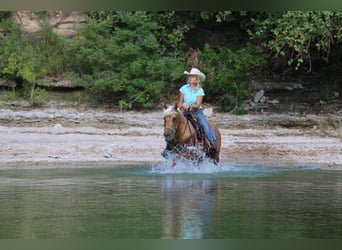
228	73
10	96
296	35
38	96
4	15
122	62
17	55
26	60
49	48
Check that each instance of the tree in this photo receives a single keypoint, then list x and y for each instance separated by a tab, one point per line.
296	35
121	61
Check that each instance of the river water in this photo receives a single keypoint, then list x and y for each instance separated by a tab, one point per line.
210	202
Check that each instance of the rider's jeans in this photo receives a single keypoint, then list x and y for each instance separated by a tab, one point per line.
209	132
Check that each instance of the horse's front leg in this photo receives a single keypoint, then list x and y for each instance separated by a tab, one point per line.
173	163
174	160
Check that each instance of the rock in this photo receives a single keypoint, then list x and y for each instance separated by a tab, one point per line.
263	99
252	104
272	86
258	96
7	83
28	21
68	24
335	94
108	155
53	83
273	101
64	23
293	85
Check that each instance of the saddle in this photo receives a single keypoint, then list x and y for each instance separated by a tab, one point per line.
194	121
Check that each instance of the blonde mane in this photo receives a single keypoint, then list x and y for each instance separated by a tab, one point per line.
170	111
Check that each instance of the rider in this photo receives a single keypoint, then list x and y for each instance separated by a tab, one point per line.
190	98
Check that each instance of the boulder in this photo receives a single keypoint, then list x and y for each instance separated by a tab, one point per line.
7	83
53	83
258	95
64	23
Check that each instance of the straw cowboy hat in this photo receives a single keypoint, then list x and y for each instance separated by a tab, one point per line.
196	72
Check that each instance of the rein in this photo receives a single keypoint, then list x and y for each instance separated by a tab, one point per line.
192	135
187	125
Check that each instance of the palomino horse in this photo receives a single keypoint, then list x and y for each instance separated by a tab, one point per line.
182	138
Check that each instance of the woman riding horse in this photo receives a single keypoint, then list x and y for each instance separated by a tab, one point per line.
190	99
182	137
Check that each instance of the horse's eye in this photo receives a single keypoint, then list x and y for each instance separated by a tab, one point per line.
174	119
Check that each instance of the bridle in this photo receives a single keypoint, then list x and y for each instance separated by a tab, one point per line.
172	131
169	130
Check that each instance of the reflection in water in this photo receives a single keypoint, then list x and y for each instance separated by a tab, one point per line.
133	202
188	207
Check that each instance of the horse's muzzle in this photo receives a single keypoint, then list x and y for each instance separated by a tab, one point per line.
169	134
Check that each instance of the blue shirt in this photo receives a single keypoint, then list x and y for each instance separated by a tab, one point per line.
190	95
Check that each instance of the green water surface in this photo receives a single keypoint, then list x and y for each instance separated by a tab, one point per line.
142	202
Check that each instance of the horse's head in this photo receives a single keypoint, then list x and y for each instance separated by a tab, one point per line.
171	121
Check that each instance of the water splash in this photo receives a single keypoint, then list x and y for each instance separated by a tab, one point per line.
186	166
224	169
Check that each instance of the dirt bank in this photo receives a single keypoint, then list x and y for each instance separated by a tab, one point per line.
72	137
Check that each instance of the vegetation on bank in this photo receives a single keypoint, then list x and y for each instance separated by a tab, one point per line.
136	60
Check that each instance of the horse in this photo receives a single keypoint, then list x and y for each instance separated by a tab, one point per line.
183	139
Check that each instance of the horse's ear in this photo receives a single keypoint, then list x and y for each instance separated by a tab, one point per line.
165	106
176	106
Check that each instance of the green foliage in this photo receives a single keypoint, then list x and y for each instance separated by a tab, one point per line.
4	15
295	34
20	65
17	55
171	30
175	26
49	48
134	59
9	96
25	60
125	61
228	73
38	96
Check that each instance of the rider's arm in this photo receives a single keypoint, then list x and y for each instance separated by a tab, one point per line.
199	102
181	100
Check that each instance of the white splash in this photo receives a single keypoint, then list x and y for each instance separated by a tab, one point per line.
184	165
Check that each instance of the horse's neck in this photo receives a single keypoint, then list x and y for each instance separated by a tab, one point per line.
185	130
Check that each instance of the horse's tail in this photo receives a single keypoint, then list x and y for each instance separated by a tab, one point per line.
217	142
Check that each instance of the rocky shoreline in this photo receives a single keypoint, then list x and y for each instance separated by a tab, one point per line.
74	137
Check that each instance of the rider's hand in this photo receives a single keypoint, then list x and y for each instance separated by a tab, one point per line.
186	107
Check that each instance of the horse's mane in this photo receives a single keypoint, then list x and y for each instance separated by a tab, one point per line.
171	110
